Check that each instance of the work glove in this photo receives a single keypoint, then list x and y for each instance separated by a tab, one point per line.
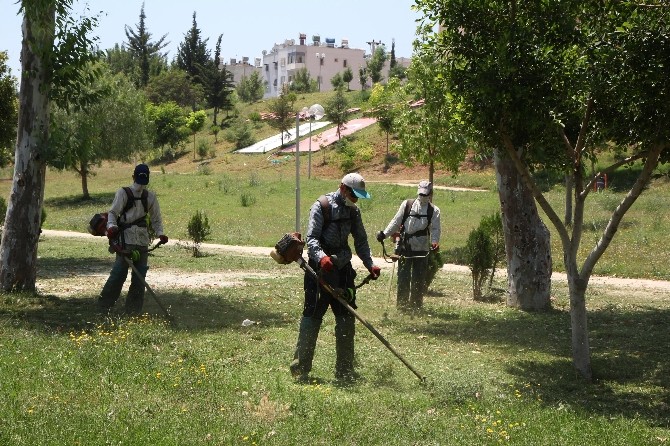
434	246
381	236
112	232
163	239
326	264
375	271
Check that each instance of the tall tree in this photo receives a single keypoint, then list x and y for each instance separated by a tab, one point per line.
593	72
193	52
386	103
429	129
53	49
217	82
376	63
113	129
144	50
8	110
337	110
283	110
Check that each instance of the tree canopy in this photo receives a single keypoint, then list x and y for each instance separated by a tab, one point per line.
114	128
554	84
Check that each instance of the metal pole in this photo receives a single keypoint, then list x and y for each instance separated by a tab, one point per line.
309	156
297	172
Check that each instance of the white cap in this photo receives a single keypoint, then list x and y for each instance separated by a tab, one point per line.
357	184
425	188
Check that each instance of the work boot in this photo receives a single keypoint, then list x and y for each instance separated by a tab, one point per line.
304	349
344	348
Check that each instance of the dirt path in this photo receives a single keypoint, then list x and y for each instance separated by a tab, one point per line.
173	278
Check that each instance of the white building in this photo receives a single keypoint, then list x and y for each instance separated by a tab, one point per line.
323	60
242	68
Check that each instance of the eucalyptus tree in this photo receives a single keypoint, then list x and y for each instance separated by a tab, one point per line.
551	84
54	48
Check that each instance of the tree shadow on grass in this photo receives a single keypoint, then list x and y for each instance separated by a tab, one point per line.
103	200
628	357
187	311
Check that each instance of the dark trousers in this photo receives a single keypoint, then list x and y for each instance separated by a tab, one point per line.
411	282
117	277
317	301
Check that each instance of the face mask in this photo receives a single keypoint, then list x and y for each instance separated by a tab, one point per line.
423	200
349	203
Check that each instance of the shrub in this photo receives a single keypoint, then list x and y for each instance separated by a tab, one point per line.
247	199
203	149
198	230
479	256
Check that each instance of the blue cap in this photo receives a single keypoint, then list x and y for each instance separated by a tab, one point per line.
141	174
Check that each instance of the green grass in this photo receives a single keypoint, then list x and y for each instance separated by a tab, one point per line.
495	375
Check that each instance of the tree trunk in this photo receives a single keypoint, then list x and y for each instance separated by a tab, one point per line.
83	171
581	354
526	241
18	250
569	187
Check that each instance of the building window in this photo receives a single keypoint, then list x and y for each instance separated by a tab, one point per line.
321	59
344	63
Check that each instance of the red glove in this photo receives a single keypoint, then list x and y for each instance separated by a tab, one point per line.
163	239
326	264
435	246
112	232
375	271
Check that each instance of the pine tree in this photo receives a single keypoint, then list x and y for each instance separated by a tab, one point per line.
193	52
143	49
217	82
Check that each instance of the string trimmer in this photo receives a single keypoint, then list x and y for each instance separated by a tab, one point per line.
289	249
131	256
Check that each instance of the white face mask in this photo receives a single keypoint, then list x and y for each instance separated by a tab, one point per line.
349	203
424	200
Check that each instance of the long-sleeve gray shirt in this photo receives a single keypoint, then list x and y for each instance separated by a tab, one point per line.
333	239
417	221
135	235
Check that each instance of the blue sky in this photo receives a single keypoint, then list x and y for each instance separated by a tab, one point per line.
248	27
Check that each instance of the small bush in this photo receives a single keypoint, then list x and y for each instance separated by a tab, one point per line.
204	169
203	149
479	254
247	199
198	230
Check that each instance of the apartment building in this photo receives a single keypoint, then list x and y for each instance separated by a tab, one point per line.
323	60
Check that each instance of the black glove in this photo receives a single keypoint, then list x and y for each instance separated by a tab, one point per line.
381	236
